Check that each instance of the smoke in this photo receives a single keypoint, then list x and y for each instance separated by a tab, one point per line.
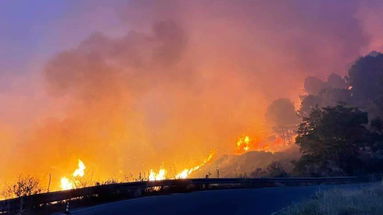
281	113
187	78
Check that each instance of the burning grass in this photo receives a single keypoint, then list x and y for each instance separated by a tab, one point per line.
81	175
359	201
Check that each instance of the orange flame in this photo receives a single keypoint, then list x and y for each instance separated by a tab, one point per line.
66	183
243	144
185	173
79	172
157	176
274	144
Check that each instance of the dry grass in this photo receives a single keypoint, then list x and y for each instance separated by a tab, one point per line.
358	201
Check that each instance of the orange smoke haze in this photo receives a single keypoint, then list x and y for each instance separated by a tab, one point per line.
186	78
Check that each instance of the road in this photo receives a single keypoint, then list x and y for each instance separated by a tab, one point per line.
262	201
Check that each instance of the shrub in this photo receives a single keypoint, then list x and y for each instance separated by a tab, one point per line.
360	201
25	186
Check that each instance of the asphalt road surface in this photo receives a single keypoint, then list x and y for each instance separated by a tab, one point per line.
262	201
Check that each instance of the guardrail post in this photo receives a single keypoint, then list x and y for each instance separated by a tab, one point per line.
20	211
67	208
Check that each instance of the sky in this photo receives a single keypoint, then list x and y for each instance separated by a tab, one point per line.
32	28
31	33
133	85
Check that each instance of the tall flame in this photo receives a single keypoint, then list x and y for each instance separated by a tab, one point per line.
157	176
66	183
79	172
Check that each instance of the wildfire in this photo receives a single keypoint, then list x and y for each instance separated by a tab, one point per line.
161	174
186	172
79	172
157	176
243	144
66	183
265	144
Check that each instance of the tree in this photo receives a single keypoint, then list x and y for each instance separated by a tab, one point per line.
365	80
25	186
332	140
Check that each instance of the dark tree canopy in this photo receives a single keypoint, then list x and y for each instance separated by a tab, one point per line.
366	75
365	79
327	97
362	87
331	140
337	139
330	93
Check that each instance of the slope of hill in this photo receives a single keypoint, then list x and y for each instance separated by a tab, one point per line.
243	165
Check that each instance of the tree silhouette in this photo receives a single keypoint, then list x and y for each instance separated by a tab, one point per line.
332	141
25	186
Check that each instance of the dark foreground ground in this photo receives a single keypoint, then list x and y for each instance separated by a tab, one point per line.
260	201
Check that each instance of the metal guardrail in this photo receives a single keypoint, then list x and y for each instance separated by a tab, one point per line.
142	188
